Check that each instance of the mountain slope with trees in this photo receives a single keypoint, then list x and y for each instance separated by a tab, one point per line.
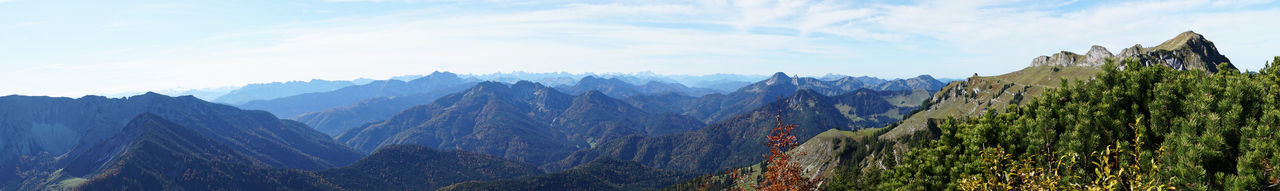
525	122
161	155
413	167
336	120
736	142
41	134
718	107
600	174
1166	128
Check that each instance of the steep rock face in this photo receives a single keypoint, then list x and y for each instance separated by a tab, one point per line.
1187	51
525	122
1097	54
1063	58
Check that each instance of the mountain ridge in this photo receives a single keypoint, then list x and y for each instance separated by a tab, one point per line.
525	121
66	127
736	142
292	106
1186	51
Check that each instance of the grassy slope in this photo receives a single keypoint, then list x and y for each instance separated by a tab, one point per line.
977	94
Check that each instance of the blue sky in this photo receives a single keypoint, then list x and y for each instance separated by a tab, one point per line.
73	48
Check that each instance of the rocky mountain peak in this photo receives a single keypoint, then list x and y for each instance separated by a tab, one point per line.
779	78
1097	54
1132	51
1188	50
1064	59
1189	38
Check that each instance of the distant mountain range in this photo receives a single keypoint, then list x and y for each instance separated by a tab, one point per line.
253	92
717	107
525	121
291	106
498	119
43	135
737	141
564	78
617	88
102	143
335	120
516	131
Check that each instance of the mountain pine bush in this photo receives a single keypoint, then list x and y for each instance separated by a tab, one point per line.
1132	127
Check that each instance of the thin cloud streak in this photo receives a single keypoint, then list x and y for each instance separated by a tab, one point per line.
943	38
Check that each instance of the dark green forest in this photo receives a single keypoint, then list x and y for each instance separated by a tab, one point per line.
1132	127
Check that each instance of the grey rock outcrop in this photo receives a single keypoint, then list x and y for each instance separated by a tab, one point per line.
1187	51
1064	58
1094	58
1097	55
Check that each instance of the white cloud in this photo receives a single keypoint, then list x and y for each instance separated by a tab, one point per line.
1229	3
944	38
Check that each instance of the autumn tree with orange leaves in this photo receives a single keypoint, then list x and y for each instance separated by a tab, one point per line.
781	173
777	172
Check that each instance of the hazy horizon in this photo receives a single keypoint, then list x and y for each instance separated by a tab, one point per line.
92	47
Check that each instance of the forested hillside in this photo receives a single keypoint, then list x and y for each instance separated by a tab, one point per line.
737	141
1133	128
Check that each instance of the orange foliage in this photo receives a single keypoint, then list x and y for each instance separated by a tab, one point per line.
781	173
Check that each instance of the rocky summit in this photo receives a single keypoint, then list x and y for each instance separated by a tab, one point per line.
1187	51
1094	58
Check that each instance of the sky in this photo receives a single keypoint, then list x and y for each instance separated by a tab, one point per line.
75	48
